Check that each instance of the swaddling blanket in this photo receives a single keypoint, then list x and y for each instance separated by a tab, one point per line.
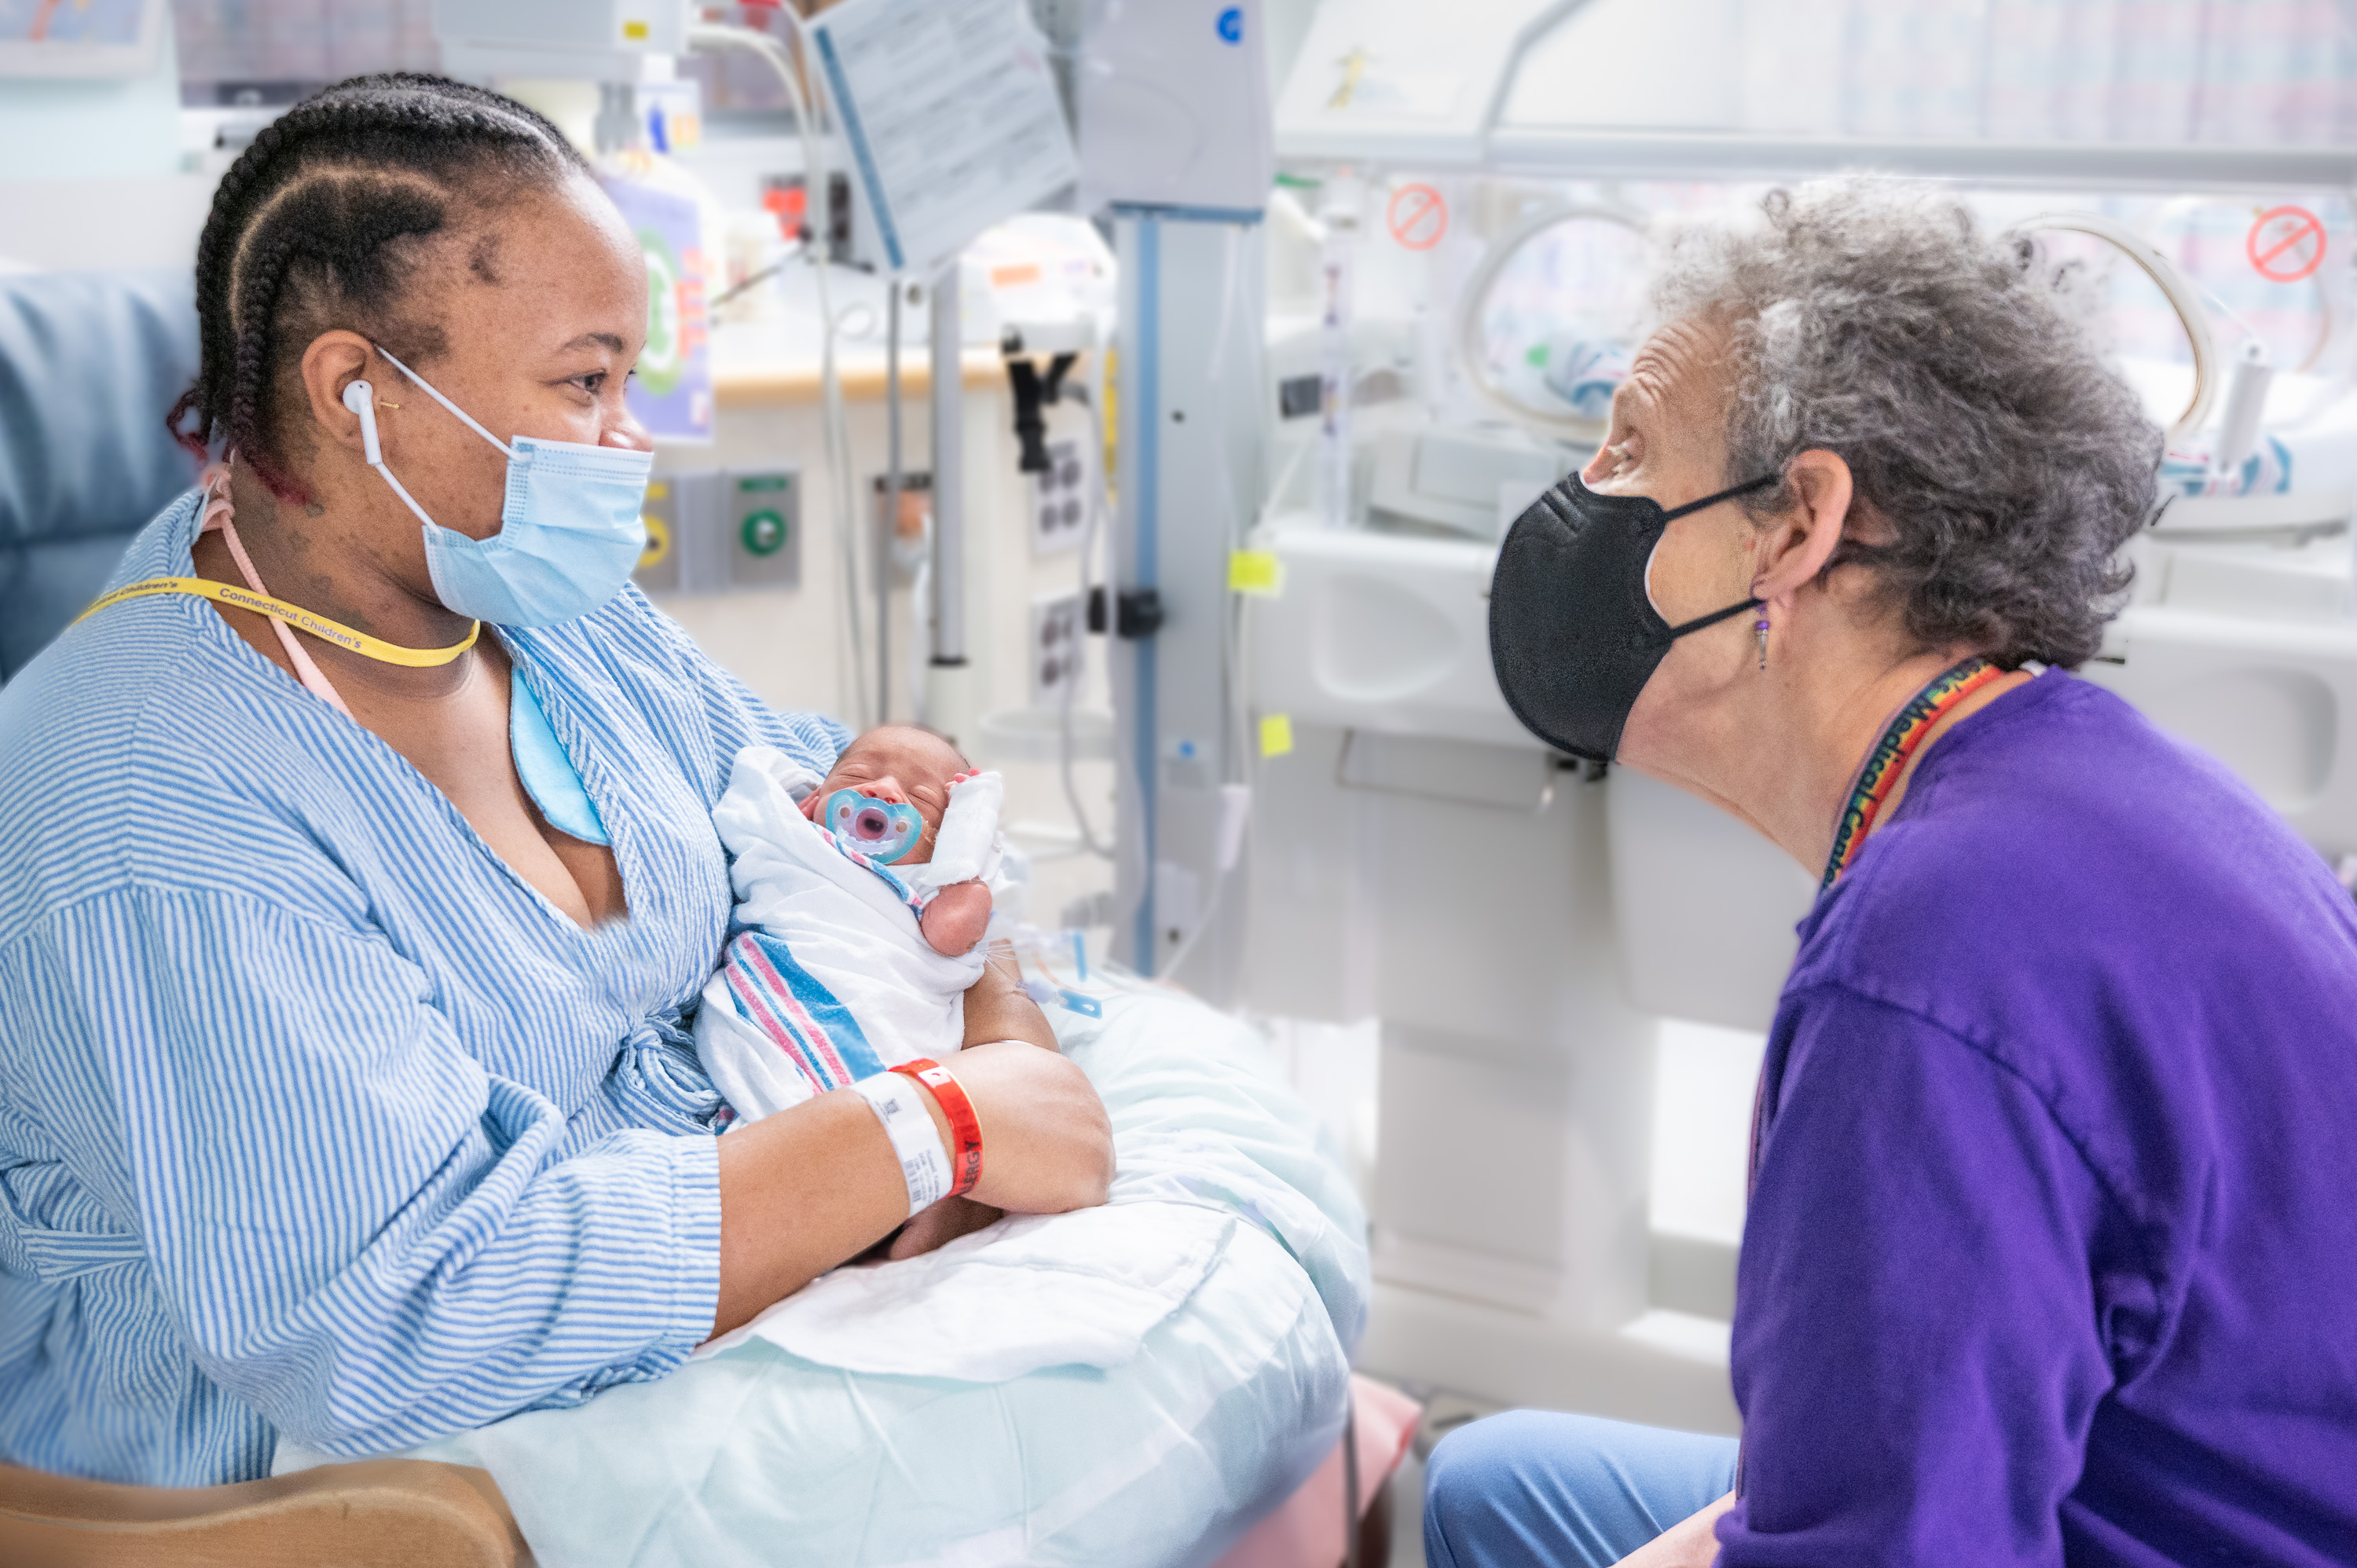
831	980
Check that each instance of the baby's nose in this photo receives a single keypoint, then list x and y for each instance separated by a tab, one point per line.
885	788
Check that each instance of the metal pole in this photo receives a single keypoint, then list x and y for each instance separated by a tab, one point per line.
887	532
946	681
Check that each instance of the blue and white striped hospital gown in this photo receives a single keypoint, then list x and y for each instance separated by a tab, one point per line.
314	1117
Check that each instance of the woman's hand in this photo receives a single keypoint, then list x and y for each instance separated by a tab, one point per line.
1690	1543
818	1184
997	1005
943	1223
998	1015
1046	1145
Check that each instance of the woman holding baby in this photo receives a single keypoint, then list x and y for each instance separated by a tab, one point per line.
345	1093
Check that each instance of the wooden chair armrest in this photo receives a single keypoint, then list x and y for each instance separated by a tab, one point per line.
378	1513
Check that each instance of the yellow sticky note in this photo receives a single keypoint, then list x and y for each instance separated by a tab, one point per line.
635	31
1276	734
1256	572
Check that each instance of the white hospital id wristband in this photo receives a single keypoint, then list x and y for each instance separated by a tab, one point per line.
900	1104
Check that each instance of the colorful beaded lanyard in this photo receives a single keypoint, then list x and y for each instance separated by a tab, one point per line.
1888	760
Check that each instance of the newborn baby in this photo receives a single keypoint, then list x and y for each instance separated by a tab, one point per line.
862	902
856	802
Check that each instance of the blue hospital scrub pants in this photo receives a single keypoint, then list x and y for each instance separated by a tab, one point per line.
1533	1490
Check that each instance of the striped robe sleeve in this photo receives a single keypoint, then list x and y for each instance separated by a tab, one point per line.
359	1231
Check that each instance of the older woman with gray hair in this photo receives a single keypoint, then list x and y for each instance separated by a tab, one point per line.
2051	1254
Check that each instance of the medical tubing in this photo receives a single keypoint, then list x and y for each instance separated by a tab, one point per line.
1089	840
847	512
835	430
965	1126
916	1142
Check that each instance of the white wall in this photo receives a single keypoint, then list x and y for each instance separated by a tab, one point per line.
57	130
93	173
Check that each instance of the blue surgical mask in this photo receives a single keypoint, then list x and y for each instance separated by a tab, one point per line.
570	526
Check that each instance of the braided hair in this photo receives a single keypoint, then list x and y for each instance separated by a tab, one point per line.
321	223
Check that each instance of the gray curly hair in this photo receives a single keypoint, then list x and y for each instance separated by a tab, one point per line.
2008	462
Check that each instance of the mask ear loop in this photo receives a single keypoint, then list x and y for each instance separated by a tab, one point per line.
361	398
1699	622
427	387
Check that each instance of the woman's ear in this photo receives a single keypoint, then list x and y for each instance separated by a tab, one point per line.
333	361
1797	545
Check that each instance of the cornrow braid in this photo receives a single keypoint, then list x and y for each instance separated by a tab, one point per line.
317	225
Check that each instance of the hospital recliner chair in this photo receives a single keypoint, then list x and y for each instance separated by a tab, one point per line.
382	1513
88	364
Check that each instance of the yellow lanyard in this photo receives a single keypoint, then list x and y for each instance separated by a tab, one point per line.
295	616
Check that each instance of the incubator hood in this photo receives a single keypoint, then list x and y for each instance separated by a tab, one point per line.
1519	989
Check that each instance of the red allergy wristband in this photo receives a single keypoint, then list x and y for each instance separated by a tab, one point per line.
965	1127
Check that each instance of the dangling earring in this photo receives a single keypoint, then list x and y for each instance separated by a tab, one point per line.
1760	625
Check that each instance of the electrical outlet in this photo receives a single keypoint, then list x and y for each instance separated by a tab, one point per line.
1058	647
764	520
1059	499
658	568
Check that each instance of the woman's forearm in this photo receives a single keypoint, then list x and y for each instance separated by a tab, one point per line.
998	1008
818	1185
800	1192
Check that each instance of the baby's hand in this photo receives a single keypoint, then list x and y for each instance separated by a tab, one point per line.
956	919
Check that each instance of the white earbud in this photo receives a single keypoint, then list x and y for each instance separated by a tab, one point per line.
361	398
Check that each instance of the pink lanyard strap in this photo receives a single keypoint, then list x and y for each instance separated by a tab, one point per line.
220	514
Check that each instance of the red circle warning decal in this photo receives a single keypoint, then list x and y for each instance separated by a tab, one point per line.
2286	244
1416	216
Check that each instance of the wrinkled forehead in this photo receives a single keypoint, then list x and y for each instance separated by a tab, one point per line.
1681	381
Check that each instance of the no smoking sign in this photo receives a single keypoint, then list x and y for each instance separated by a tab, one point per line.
2286	244
1416	216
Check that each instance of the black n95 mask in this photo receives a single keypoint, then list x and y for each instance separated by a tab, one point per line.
1574	635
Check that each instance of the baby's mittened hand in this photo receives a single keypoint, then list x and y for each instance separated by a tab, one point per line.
956	919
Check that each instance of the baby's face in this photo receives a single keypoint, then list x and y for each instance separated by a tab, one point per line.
899	763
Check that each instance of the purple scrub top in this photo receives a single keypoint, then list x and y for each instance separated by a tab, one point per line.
2053	1248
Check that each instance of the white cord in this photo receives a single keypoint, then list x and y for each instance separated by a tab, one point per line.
1232	674
1095	464
835	426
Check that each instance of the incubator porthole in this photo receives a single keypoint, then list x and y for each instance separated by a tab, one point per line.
1545	329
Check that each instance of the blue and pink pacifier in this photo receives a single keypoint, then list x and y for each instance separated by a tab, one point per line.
883	830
